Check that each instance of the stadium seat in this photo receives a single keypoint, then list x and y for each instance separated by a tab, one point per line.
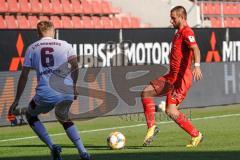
238	8
56	21
116	22
47	6
107	23
87	22
11	22
13	6
4	6
125	22
67	6
25	7
97	23
96	6
77	7
228	22
236	22
67	22
44	18
3	24
87	7
33	20
57	6
36	6
216	22
23	22
116	10
135	22
234	9
226	9
216	8
106	7
77	23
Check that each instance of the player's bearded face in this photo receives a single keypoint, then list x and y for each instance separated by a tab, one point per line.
175	19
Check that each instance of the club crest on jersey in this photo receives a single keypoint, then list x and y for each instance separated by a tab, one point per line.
177	36
191	38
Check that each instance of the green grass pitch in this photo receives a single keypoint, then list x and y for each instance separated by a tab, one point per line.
221	138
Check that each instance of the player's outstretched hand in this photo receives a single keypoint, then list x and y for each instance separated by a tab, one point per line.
197	73
13	107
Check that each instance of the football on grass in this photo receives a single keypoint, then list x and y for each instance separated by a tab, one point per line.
116	140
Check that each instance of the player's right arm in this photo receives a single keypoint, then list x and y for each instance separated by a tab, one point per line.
72	59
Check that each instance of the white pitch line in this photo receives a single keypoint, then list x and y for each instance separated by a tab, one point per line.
122	127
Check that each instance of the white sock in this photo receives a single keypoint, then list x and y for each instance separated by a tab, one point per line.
72	133
41	131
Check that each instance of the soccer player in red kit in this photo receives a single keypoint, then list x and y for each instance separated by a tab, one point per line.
177	82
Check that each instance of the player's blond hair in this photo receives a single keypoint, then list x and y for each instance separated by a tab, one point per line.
44	26
180	10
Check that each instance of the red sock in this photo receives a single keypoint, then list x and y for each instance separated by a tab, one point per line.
149	110
185	124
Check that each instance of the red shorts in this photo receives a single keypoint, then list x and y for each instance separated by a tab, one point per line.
174	87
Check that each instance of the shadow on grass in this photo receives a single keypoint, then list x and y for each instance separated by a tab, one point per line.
226	155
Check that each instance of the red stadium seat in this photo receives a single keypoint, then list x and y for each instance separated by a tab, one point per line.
96	6
3	24
235	8
25	7
228	22
238	10
236	22
216	22
116	22
44	18
107	23
87	22
47	6
23	22
217	8
106	7
11	22
77	22
77	7
13	6
33	20
87	7
125	22
56	21
57	6
4	6
116	10
97	23
67	6
36	6
226	9
67	22
135	22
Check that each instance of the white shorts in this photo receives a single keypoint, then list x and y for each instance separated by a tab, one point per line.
37	107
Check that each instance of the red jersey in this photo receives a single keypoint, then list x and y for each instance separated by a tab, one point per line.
181	55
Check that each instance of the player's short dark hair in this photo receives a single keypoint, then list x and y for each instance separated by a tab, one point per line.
44	26
180	10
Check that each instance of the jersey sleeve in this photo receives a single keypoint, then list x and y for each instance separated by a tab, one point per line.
189	38
28	58
71	52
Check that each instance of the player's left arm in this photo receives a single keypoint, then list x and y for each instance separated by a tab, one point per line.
23	78
20	87
189	39
197	73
